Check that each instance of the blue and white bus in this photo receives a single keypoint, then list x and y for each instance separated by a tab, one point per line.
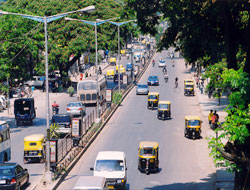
5	150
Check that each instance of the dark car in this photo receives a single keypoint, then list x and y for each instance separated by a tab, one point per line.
64	123
13	176
129	67
153	80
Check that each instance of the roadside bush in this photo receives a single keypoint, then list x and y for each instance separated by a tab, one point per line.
117	98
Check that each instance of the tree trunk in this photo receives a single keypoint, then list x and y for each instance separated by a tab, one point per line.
229	35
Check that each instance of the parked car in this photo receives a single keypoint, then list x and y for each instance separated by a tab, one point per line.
161	63
64	123
142	89
76	109
153	80
13	176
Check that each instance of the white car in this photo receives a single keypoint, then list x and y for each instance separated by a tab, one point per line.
112	166
162	63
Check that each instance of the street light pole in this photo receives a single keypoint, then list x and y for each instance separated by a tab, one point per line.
96	65
47	165
119	68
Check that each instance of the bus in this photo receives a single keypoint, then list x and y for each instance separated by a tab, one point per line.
5	150
87	90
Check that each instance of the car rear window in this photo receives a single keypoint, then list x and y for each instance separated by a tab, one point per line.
76	104
60	119
6	172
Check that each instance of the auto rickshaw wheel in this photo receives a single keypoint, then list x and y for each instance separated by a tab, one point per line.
147	172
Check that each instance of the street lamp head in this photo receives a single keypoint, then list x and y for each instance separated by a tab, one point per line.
67	18
88	9
3	12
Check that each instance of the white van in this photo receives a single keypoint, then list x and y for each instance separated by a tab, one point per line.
112	166
90	182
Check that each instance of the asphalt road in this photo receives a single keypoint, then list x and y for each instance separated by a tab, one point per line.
36	170
184	163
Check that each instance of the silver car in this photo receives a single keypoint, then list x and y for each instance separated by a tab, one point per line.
142	89
76	108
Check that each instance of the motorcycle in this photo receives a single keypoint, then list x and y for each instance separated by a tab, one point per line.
55	110
166	78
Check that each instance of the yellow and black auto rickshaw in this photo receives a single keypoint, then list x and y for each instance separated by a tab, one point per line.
189	88
192	127
164	110
112	61
110	74
148	157
153	99
34	148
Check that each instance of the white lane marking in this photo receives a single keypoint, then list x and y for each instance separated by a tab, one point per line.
155	182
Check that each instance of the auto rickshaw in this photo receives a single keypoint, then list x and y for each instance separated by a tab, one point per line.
148	157
122	70
123	51
153	99
192	127
112	60
189	88
164	110
24	110
34	148
110	74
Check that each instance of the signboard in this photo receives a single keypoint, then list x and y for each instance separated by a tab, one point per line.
125	79
109	95
53	151
75	127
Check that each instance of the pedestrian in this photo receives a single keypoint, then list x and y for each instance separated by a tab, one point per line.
214	120
210	117
197	81
86	74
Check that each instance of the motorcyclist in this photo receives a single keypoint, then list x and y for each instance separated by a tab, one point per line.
164	70
55	107
166	77
153	62
176	82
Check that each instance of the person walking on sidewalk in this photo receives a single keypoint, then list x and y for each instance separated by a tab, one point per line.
214	120
210	117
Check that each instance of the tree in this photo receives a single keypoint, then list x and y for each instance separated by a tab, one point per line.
213	29
22	47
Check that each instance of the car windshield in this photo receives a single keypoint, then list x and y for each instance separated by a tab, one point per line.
109	165
189	86
149	151
163	106
193	122
74	104
142	86
59	119
152	97
6	172
162	61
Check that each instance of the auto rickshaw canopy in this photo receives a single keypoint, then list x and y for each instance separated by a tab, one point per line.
122	70
112	59
188	81
123	51
192	117
34	142
148	144
148	149
111	72
154	93
161	105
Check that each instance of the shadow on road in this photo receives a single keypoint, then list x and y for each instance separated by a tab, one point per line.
206	184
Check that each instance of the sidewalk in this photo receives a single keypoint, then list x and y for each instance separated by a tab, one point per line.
224	180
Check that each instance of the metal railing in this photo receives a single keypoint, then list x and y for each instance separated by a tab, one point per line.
64	145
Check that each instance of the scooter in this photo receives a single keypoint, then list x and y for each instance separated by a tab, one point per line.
55	110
